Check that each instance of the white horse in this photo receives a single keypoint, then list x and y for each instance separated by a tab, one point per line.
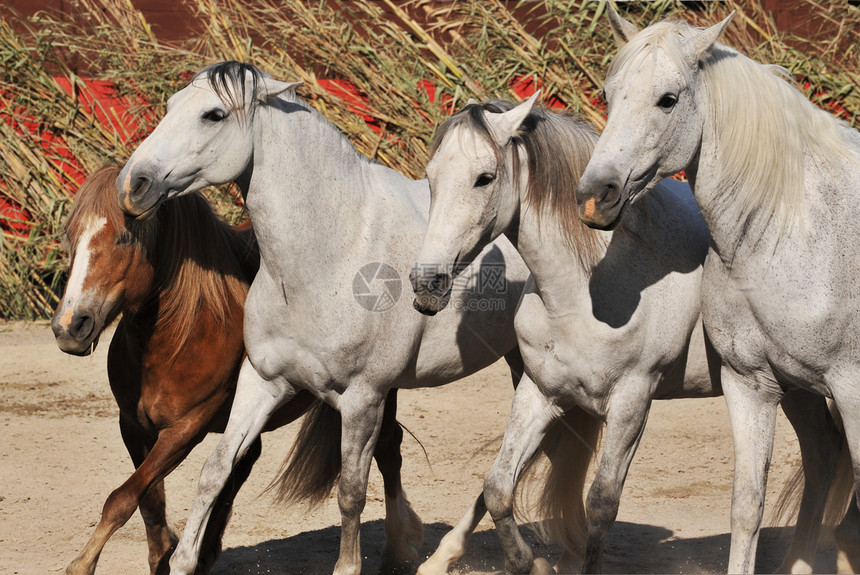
609	322
337	232
777	181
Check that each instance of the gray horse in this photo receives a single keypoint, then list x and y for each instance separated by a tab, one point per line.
610	320
777	182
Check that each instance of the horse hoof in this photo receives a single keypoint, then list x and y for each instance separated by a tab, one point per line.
397	560
430	567
78	567
541	567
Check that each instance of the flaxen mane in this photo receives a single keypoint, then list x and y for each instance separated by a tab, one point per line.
200	262
762	124
557	148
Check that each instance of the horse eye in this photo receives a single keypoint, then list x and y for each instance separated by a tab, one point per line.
485	179
215	115
667	102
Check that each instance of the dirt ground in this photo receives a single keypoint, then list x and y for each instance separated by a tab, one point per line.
61	455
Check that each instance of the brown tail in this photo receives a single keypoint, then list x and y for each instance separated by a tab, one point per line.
313	465
570	445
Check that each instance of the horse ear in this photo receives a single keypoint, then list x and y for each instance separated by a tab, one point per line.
621	28
705	40
471	101
506	124
271	88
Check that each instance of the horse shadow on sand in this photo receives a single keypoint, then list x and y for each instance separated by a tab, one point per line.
631	548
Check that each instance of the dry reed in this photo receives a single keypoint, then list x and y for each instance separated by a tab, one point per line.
411	64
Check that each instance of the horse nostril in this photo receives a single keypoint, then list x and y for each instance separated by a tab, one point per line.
82	326
608	191
439	284
612	189
139	187
415	278
430	281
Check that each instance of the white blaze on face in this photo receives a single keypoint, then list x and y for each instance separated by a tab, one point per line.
80	269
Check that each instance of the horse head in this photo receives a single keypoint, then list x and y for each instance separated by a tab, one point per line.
654	127
110	270
471	195
206	137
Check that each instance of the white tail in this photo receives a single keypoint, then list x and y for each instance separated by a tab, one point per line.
570	445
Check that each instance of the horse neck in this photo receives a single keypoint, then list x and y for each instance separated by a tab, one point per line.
312	188
556	265
752	194
732	229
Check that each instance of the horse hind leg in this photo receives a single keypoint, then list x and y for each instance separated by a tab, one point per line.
820	443
255	402
403	527
848	540
848	405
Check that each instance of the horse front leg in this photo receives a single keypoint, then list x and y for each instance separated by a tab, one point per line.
361	413
160	537
453	544
255	401
626	418
820	443
752	412
223	507
530	417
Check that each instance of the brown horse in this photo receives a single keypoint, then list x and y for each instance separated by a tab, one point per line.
180	278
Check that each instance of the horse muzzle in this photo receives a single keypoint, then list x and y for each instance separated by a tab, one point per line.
601	201
138	196
432	290
77	333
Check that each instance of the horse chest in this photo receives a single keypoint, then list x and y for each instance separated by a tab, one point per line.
760	326
571	360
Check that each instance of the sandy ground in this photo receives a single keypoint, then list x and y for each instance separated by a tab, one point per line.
61	455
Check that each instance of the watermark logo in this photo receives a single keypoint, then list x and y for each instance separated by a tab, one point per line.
377	287
491	279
